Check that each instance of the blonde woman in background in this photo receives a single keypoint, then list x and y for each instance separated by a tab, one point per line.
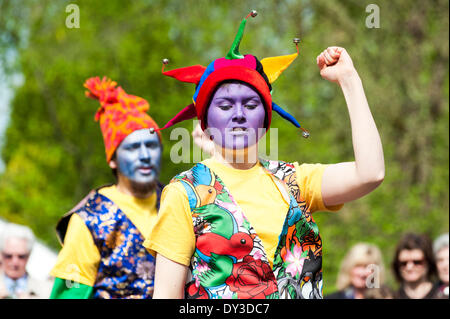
361	270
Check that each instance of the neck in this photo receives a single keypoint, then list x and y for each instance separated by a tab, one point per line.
238	159
417	289
359	292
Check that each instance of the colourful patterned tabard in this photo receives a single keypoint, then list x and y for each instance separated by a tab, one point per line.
126	268
297	261
230	260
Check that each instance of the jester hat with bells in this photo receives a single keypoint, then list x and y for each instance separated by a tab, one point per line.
234	66
120	114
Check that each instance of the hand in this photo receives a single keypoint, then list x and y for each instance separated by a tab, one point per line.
335	64
202	141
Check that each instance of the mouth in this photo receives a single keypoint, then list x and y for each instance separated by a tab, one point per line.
239	131
145	170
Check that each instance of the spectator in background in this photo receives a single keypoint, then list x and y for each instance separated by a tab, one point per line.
362	269
16	243
414	268
441	250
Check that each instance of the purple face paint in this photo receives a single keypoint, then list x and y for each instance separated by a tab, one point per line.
235	114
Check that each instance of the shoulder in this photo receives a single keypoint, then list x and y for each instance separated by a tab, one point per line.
309	175
279	169
63	223
436	292
305	169
174	187
336	295
192	174
283	170
91	209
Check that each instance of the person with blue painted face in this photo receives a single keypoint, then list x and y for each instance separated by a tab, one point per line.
103	254
137	163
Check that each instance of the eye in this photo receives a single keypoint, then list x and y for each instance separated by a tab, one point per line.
151	145
131	147
251	106
225	107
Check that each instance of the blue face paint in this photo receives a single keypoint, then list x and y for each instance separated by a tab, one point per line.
139	157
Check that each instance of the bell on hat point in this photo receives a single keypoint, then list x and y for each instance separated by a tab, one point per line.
165	61
254	13
305	134
152	130
296	40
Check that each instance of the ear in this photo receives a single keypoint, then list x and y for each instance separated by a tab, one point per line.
112	163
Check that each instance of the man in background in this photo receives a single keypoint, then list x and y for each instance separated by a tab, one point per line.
102	254
16	244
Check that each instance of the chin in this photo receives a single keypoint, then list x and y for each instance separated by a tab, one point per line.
142	189
15	275
143	183
238	145
144	179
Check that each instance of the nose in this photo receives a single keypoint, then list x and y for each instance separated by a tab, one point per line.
239	114
144	154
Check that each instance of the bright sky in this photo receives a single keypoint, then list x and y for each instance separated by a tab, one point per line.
5	98
6	95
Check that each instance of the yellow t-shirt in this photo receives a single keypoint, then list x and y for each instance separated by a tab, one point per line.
79	258
254	190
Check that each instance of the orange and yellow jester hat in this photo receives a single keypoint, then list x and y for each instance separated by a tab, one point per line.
234	66
120	114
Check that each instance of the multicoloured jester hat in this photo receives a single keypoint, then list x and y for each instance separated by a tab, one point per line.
234	66
120	114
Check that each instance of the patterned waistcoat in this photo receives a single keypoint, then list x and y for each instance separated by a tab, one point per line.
126	268
230	261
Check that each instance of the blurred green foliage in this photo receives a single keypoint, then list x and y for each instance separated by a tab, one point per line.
54	151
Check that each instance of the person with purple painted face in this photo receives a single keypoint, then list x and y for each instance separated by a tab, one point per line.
102	237
239	226
237	114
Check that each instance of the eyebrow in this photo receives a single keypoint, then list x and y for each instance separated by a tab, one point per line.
229	99
140	142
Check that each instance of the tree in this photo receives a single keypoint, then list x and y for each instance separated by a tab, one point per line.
54	153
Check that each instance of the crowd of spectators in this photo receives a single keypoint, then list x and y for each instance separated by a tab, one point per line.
419	266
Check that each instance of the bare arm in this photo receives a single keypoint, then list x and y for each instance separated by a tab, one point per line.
170	278
344	182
